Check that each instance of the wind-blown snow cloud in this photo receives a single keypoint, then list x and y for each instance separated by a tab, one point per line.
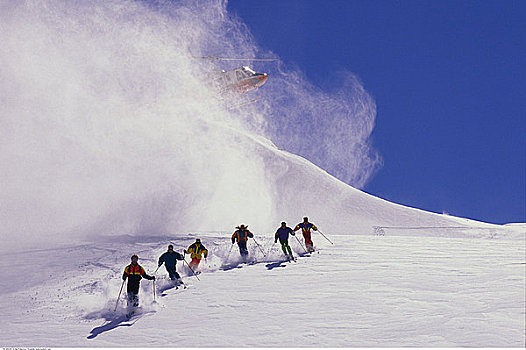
110	126
331	129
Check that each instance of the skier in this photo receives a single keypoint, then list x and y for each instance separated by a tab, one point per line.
170	259
306	226
134	273
241	235
196	251
283	234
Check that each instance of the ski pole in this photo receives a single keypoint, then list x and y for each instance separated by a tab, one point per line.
153	290
321	233
297	239
232	246
117	303
259	247
271	248
156	269
191	269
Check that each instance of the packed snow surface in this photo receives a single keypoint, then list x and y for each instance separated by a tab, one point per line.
365	290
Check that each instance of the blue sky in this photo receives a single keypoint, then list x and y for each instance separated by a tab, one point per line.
448	78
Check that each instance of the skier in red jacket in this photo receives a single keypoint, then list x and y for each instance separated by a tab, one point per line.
134	273
306	226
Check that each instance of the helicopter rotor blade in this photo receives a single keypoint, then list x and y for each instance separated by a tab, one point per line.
246	59
213	58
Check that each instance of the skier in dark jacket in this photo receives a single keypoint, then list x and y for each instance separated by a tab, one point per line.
241	235
134	273
169	259
306	226
283	235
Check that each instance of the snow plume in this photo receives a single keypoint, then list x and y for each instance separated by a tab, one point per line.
110	125
331	129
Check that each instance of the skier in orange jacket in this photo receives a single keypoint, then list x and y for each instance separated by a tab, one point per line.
241	235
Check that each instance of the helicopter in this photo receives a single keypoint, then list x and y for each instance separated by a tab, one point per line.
239	80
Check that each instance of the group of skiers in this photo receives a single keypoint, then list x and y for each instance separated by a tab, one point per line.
134	272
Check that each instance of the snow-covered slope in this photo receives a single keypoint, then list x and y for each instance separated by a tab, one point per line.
434	286
298	188
363	291
115	144
111	127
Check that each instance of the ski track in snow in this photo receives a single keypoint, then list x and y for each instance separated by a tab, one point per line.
391	291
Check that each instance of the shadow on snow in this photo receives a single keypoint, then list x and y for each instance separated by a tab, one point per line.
236	265
113	321
276	264
270	265
165	285
121	321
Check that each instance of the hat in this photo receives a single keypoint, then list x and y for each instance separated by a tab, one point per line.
197	240
170	247
134	256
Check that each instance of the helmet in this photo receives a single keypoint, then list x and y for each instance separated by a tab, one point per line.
170	247
134	257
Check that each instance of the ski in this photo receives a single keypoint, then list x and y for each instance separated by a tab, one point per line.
132	313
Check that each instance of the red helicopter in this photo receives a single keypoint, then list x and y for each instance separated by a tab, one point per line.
239	80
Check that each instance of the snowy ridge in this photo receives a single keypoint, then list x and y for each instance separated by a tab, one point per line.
301	188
